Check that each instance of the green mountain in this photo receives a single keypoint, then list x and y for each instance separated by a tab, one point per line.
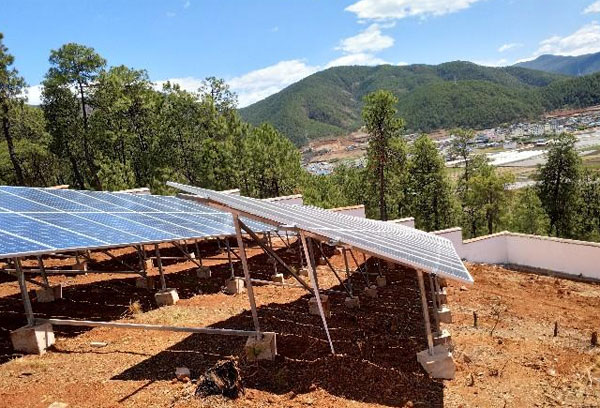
452	94
558	64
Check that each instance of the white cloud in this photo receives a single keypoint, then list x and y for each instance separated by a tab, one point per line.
506	47
397	9
34	94
369	40
259	84
189	84
356	59
187	4
592	8
586	40
493	63
170	14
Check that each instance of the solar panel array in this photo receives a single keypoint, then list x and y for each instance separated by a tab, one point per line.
39	220
390	241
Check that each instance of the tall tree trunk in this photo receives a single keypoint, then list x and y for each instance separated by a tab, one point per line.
86	148
76	172
11	147
382	206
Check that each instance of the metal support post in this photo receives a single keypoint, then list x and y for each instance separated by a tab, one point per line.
313	274
229	258
436	318
42	269
24	293
425	307
198	251
347	271
242	248
163	283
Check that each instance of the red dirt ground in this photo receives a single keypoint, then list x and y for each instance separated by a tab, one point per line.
520	364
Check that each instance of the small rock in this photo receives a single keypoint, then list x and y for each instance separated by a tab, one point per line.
98	344
182	374
463	288
551	372
470	381
58	405
493	372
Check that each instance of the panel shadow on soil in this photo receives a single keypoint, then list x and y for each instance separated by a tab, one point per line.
375	349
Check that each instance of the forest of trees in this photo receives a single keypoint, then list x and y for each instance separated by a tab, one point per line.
108	127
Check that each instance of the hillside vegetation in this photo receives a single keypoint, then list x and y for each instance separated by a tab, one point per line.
430	97
560	64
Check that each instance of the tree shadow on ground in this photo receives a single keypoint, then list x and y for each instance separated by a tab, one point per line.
375	349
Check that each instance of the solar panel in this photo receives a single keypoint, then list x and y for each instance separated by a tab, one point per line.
390	241
39	220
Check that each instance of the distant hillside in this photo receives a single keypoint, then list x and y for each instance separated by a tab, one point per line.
431	97
558	64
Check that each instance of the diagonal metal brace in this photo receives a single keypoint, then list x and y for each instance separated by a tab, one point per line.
274	255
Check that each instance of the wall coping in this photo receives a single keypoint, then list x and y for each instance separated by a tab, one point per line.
397	220
447	230
349	207
555	239
281	198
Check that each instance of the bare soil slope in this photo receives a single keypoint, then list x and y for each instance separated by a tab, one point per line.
519	364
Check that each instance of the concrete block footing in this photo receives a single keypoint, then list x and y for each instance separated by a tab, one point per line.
313	306
438	365
303	272
321	261
234	286
278	278
203	272
444	314
33	339
167	297
442	337
261	347
352	302
381	281
145	282
442	296
371	291
45	295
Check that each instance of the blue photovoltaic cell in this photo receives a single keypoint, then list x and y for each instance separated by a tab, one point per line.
11	245
61	220
43	233
188	206
204	227
17	204
176	230
115	221
151	204
40	196
124	204
91	229
87	200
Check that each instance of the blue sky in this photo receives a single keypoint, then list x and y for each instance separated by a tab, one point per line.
261	46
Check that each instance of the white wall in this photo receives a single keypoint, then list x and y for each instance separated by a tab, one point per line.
409	221
354	210
555	254
291	199
578	258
